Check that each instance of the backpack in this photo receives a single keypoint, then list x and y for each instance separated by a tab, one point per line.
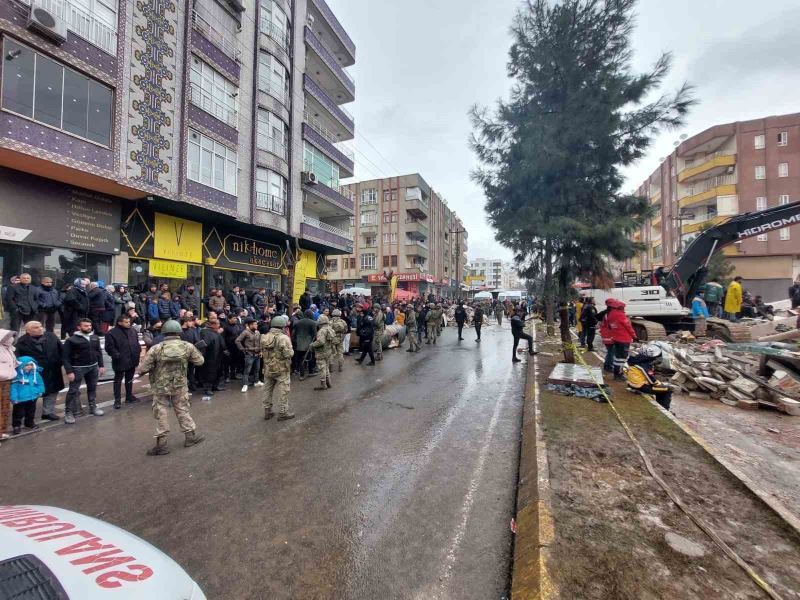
171	353
273	365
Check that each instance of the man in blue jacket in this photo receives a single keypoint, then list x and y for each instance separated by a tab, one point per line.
699	314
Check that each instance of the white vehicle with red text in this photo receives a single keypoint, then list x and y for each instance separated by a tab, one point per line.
54	554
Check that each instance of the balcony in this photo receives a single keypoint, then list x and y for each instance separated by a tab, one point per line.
314	133
273	204
656	221
712	165
338	119
656	198
276	33
724	185
81	22
326	70
322	233
697	225
327	201
416	229
329	28
225	41
417	248
214	107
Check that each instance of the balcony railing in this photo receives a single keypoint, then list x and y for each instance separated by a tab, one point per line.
325	10
309	220
224	113
224	40
317	126
274	204
276	32
709	184
280	93
270	144
344	117
329	59
81	22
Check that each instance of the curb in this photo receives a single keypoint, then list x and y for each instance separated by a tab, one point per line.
530	577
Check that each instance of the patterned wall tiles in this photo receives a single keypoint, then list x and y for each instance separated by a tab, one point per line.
213	127
215	57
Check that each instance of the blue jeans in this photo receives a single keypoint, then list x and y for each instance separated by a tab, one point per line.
608	364
731	317
252	368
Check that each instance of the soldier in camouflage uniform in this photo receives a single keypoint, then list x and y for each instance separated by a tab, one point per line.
433	328
341	329
324	348
167	364
277	352
380	329
411	329
439	319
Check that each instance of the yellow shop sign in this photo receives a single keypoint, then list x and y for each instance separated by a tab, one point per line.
178	239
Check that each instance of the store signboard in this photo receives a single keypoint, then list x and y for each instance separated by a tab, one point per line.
379	278
248	253
178	239
87	221
306	268
168	269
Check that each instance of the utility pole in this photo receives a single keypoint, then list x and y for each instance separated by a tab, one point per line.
682	216
458	233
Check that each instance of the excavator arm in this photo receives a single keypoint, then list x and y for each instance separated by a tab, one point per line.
688	274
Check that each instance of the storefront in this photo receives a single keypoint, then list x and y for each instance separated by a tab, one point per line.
162	249
419	284
49	229
233	259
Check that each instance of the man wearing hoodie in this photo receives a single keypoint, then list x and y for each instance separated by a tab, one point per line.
83	360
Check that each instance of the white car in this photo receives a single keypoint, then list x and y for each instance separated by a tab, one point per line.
56	554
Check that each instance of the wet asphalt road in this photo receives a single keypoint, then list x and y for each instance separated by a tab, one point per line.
397	483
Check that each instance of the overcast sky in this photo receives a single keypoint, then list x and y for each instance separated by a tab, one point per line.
421	64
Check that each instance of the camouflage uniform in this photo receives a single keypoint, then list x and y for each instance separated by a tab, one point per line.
380	329
277	351
498	313
432	323
411	331
341	329
169	383
439	314
324	348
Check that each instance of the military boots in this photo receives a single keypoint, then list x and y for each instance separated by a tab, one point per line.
192	438
160	448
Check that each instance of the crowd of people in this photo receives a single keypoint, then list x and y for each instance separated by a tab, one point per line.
191	344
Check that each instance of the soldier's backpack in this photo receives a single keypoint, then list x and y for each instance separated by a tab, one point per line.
273	365
172	353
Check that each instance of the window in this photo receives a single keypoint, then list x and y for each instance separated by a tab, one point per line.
369	196
352	263
332	264
369	218
761	204
213	93
761	172
785	234
389	195
657	252
759	142
783	170
212	163
324	168
370	241
389	238
368	262
390	216
43	90
272	133
783	138
274	23
271	191
273	78
385	261
393	261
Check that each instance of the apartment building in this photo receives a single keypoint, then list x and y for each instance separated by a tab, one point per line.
488	271
166	141
724	171
402	225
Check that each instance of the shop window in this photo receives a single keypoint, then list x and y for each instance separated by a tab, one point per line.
44	90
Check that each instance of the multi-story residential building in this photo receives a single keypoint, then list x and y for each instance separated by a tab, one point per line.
404	226
510	278
491	270
158	140
728	170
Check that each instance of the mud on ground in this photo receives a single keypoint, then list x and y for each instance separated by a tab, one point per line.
617	534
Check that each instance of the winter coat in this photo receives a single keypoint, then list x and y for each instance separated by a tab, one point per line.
229	335
24	299
175	309
733	300
76	302
108	307
190	301
46	351
305	331
82	352
164	307
249	341
366	328
49	299
8	361
97	300
237	301
259	302
589	316
326	342
517	326
122	345
619	326
460	315
212	351
27	386
216	304
699	308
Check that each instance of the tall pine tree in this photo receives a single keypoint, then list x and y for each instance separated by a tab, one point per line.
552	155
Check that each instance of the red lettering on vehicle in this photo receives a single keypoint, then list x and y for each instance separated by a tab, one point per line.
105	559
110	579
54	529
85	546
31	520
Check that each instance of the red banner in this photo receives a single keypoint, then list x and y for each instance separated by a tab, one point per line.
402	277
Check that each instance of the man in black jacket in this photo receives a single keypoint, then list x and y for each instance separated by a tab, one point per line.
461	318
233	361
518	331
23	302
83	360
212	348
366	335
477	317
190	299
589	322
76	306
97	305
49	303
45	348
122	345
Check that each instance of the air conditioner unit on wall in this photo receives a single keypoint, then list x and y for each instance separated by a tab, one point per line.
309	177
47	24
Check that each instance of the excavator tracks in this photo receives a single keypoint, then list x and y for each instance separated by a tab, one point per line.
648	331
729	332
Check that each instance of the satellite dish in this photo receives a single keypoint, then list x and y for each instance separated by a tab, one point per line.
684	136
676	143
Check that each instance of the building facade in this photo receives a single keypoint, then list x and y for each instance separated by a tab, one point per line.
402	225
724	171
159	140
486	273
